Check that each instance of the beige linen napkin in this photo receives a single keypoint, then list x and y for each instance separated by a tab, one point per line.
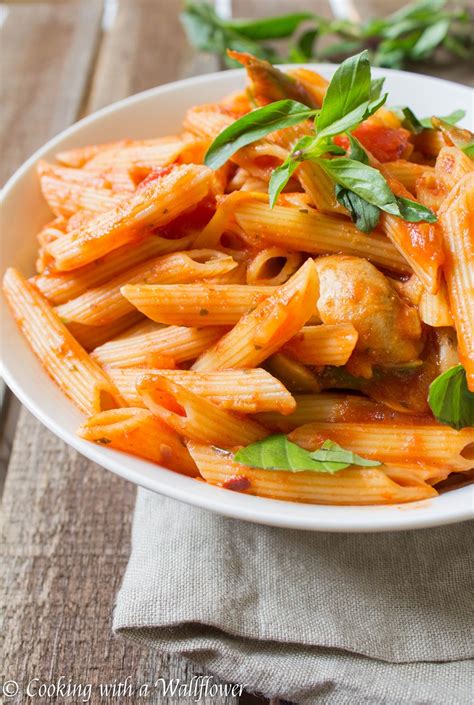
339	619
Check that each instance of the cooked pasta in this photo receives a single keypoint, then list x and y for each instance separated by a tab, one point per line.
236	310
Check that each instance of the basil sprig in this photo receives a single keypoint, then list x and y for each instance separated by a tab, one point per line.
450	399
278	453
254	126
348	101
412	33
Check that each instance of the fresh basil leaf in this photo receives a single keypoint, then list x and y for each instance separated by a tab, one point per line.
364	180
414	212
280	177
357	151
450	399
352	119
348	89
364	215
370	185
268	27
304	47
430	39
278	453
253	126
411	122
376	85
469	149
450	119
333	452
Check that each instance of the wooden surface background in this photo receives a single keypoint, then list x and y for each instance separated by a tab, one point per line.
66	522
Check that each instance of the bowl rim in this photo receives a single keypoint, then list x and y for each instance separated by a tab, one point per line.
314	517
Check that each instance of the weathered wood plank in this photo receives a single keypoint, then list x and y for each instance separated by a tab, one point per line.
65	558
46	56
47	53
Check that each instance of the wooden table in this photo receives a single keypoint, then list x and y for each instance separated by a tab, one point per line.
66	522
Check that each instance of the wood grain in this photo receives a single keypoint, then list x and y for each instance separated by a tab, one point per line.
66	522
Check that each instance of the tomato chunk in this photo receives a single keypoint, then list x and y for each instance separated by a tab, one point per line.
386	143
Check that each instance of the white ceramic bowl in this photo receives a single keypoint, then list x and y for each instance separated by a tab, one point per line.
157	112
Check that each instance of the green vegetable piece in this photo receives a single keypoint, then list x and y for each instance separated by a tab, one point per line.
254	126
278	453
450	399
333	452
364	215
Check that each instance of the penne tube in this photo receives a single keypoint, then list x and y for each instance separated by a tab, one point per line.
66	362
293	374
79	156
315	233
59	287
272	266
210	235
407	173
434	308
139	432
146	344
207	120
244	391
154	204
429	191
327	407
194	416
91	337
458	238
145	155
70	190
419	243
323	345
451	166
393	443
105	304
237	275
196	304
357	486
262	332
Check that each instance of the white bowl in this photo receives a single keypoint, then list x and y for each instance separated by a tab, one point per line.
156	112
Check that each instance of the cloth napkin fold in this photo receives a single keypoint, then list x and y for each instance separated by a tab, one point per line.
336	619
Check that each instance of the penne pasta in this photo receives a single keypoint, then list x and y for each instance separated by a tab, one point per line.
398	444
67	191
59	287
419	243
315	233
272	266
434	308
161	200
451	166
458	238
66	362
105	304
323	345
352	486
329	407
196	304
187	318
194	416
244	391
407	173
139	432
91	337
262	332
146	345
